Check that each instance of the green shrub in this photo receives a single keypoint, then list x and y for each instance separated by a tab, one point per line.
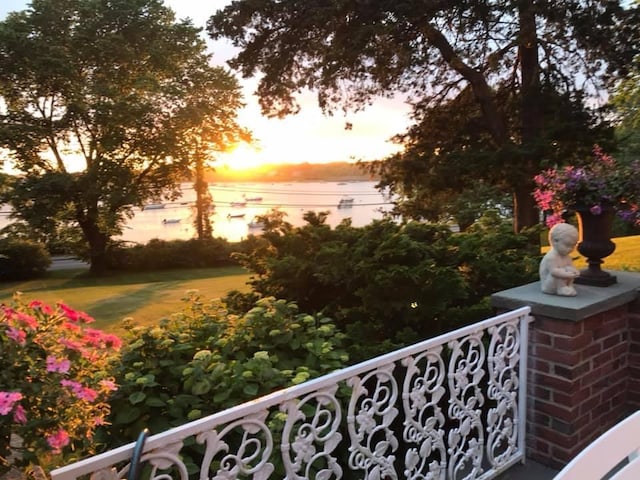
22	259
205	359
166	254
389	284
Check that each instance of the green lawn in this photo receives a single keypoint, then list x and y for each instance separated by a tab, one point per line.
146	297
626	256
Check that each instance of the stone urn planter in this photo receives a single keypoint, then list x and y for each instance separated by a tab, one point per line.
595	244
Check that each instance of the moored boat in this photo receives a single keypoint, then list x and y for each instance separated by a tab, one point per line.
345	202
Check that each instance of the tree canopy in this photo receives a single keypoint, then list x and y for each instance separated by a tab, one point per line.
102	104
480	72
626	101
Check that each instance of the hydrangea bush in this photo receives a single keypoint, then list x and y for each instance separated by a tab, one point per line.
54	383
602	182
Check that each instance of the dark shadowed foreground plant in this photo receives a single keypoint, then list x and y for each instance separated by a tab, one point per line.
205	359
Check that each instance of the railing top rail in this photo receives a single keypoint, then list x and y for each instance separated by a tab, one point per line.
107	459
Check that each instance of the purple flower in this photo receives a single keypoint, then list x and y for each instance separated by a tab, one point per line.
596	210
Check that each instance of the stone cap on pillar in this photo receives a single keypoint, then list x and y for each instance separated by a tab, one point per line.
589	300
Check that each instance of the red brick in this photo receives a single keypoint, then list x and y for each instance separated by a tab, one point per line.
590	404
601	359
594	322
555	411
613	341
537	364
557	438
591	351
555	382
571	399
563	455
572	343
558	356
560	327
541	338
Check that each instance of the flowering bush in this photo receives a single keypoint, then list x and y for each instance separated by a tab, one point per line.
54	383
601	183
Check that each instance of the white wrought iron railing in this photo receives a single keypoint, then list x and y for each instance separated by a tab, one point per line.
450	407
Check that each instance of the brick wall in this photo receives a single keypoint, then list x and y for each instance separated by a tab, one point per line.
580	380
634	355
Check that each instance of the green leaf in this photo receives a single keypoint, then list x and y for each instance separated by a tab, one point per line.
137	397
201	387
155	402
127	415
251	389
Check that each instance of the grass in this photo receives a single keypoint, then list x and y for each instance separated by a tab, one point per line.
626	257
146	297
150	296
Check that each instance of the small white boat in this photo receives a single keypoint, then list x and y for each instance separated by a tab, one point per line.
253	199
235	215
153	206
242	203
171	220
345	202
255	225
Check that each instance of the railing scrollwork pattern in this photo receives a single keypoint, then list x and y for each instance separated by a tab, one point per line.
448	408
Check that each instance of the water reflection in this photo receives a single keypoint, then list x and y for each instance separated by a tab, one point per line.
174	220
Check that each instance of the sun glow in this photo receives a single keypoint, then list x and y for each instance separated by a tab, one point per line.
243	156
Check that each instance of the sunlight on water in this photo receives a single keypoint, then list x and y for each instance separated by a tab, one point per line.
175	219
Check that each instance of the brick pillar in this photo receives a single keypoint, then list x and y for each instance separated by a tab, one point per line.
584	364
634	354
578	374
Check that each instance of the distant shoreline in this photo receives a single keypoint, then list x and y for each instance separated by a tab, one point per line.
304	172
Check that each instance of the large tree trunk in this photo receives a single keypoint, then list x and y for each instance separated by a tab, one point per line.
97	241
531	117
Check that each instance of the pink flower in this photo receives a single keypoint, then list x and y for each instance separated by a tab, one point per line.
81	392
86	393
19	415
71	344
108	385
58	440
71	385
74	315
553	219
7	400
27	321
55	365
18	336
37	304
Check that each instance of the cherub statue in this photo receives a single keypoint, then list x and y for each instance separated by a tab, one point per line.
557	272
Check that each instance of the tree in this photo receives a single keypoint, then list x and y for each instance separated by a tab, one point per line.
626	101
99	109
436	53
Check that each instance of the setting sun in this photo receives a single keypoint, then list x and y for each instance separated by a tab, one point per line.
244	156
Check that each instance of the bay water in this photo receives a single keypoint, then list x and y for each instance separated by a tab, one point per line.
237	204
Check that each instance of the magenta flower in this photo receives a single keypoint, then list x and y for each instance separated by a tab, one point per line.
596	210
20	415
88	394
43	307
71	344
58	440
56	365
8	400
596	184
18	336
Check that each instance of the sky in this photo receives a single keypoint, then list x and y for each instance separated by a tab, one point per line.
308	136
